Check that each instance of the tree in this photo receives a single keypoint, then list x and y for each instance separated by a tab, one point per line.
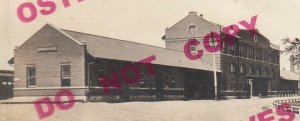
292	47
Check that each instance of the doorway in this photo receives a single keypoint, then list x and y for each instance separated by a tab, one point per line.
260	87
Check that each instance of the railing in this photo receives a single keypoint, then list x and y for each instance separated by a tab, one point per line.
295	109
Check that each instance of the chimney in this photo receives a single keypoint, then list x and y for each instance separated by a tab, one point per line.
201	15
292	62
192	13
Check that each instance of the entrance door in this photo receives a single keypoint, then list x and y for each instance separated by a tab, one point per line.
260	87
6	89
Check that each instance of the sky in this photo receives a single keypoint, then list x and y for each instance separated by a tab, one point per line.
145	21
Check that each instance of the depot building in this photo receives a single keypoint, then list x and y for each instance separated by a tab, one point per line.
54	59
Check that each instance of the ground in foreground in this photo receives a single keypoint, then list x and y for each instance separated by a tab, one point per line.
200	110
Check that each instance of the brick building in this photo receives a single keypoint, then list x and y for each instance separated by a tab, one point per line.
252	60
54	59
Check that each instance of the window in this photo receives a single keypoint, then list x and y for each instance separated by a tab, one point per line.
272	73
169	78
31	76
242	50
271	57
232	68
258	54
242	69
231	49
250	71
258	71
255	38
248	53
252	56
267	56
225	46
170	81
173	83
142	84
65	75
266	71
193	49
242	83
232	84
263	55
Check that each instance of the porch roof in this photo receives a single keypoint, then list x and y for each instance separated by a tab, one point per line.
288	75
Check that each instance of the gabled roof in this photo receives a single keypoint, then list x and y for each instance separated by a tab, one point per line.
53	27
110	48
180	29
192	13
288	75
11	61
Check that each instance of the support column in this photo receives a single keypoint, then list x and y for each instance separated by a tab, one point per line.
251	88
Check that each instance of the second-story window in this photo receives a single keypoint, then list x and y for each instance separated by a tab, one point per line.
241	50
250	70
258	71
267	72
242	69
231	49
232	68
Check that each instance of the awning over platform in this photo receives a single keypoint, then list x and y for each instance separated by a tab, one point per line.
288	75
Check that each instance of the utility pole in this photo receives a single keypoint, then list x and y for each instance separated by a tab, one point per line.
251	89
214	67
215	77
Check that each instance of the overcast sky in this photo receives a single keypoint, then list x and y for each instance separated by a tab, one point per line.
144	21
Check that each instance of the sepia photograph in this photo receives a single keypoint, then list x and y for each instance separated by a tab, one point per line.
149	60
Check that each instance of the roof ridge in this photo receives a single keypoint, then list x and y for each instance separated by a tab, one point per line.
119	39
178	22
126	41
